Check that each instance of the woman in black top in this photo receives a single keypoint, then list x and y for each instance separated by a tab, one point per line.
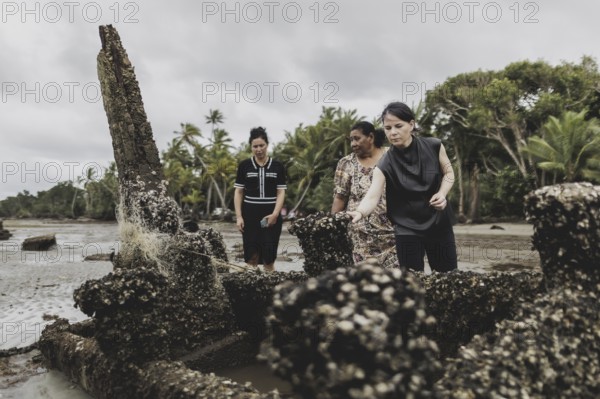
418	176
259	194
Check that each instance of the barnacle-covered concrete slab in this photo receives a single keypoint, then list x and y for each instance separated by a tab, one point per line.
465	304
325	241
566	222
354	332
251	296
107	377
551	347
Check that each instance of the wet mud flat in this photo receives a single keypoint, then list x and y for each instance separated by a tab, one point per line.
487	253
480	248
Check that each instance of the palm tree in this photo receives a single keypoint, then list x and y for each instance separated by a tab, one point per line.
218	165
311	153
214	118
101	192
90	177
221	142
222	165
336	124
306	159
188	135
569	147
193	199
76	192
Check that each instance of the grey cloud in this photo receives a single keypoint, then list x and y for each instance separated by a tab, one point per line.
374	53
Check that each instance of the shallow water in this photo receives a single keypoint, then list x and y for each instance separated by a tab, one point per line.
36	286
261	378
38	283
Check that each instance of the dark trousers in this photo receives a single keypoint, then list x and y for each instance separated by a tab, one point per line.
440	248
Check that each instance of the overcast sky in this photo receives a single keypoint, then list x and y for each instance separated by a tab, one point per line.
266	63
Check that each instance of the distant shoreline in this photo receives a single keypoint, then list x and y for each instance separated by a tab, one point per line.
57	221
460	228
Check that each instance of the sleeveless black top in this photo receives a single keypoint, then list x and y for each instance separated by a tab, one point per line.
412	176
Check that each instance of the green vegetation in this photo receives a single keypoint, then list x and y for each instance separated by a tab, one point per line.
568	147
89	196
489	121
507	132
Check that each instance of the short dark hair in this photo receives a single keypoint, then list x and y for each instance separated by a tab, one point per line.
379	135
399	110
258	133
367	128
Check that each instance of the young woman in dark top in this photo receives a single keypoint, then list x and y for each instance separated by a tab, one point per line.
259	195
417	176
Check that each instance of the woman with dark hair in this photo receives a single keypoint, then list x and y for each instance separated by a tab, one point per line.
417	176
259	194
374	235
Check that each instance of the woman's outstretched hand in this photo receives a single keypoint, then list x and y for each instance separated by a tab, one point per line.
356	216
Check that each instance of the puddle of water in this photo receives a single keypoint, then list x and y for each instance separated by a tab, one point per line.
261	378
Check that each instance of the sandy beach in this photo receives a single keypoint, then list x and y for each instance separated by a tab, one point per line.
36	287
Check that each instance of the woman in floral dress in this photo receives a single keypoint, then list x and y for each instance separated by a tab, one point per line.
372	236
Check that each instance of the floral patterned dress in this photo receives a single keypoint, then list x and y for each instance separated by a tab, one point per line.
372	236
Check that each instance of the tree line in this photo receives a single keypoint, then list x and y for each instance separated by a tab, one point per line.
507	132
